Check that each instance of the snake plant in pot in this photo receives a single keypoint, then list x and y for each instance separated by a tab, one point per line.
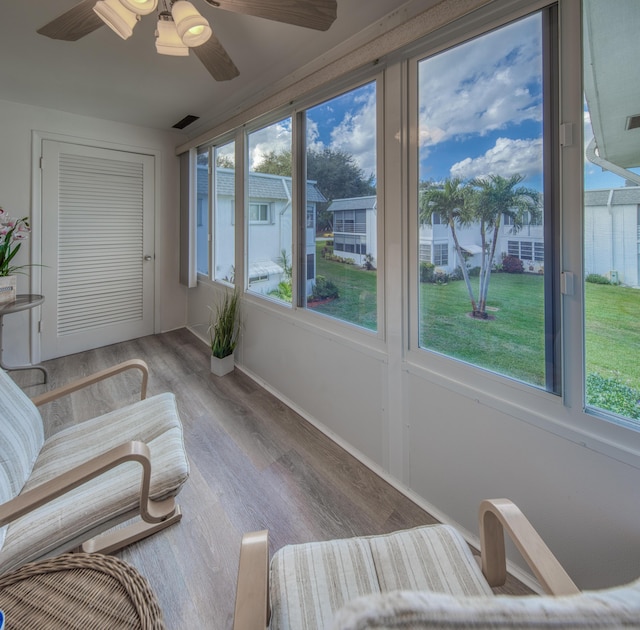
224	330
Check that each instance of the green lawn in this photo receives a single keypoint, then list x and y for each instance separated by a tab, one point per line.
358	302
513	342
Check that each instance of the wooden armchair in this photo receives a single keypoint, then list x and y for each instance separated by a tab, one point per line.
421	578
67	491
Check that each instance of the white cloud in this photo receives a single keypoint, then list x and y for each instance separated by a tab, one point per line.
482	85
274	138
507	157
356	133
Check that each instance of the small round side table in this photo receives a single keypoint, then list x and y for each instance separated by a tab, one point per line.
23	302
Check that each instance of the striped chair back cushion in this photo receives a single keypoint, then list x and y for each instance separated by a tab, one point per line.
21	438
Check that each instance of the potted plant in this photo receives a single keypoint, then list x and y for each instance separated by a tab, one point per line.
12	233
224	330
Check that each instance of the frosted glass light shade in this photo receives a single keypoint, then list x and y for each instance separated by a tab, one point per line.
194	30
168	41
140	7
116	17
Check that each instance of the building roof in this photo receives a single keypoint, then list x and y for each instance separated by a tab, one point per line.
627	196
354	203
261	185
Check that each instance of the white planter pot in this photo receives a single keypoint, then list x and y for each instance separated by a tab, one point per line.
220	367
7	289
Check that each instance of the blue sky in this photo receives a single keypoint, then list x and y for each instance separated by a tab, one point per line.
480	113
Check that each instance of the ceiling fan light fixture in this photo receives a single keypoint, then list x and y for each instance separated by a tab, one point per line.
117	17
168	41
193	29
140	7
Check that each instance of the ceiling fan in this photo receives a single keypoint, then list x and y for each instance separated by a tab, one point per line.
181	27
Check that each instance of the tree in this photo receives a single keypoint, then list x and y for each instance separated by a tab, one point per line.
338	177
493	197
451	201
275	163
336	173
225	161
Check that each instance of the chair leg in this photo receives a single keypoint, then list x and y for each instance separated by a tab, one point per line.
116	539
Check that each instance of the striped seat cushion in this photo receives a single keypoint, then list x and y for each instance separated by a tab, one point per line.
21	438
154	421
309	583
419	610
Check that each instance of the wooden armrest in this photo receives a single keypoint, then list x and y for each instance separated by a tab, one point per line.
133	364
252	590
496	515
151	511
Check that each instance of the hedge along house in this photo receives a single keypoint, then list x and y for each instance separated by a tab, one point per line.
269	225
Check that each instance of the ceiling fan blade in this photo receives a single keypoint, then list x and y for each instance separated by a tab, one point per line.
74	23
316	14
216	60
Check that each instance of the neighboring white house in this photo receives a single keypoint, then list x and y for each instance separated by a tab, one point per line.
269	227
612	234
355	235
355	228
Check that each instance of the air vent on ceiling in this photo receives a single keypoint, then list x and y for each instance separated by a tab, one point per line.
633	122
187	120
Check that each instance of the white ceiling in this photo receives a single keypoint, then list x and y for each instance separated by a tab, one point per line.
106	77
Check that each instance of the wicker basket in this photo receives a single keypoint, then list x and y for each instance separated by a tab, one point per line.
79	591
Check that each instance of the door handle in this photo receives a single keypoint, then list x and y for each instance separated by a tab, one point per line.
147	257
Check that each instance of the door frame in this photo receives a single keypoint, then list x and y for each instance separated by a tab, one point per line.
37	138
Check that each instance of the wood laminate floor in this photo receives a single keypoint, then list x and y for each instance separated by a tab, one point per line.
255	464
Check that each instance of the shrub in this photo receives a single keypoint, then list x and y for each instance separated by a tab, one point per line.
440	277
474	272
512	264
596	278
613	395
324	289
368	262
456	274
284	291
426	271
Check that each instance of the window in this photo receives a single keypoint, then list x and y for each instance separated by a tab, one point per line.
311	266
270	228
440	254
223	214
341	162
202	211
425	252
259	213
483	166
611	202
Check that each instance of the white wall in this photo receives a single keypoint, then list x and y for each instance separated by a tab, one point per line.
17	122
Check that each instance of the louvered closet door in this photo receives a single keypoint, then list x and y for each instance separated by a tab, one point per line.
97	226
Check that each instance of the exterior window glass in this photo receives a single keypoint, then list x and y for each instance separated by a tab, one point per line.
269	211
611	202
441	254
481	108
341	181
223	214
259	212
202	211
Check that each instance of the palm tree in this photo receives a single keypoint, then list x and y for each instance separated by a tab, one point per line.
493	197
451	201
